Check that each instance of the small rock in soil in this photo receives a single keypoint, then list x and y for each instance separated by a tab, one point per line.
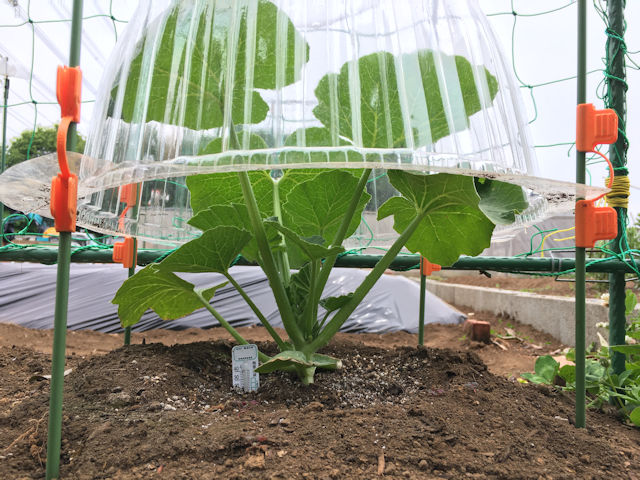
120	399
254	462
314	406
154	407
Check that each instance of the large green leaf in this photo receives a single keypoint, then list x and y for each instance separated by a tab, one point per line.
292	358
152	287
452	223
214	251
380	119
316	207
626	349
630	302
233	215
331	304
192	54
634	416
319	137
247	141
220	215
294	176
310	250
224	189
285	360
500	201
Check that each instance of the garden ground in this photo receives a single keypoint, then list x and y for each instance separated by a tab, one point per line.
165	409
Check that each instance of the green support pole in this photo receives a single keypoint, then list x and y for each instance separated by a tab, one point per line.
62	293
423	290
132	272
617	93
580	252
5	107
58	357
552	266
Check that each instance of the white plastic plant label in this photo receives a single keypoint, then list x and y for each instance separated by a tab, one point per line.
244	361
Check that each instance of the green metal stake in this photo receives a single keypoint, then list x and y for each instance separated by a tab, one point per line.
617	88
58	358
580	252
5	107
132	272
423	289
49	256
62	293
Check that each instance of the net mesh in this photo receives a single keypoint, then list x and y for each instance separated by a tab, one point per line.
43	35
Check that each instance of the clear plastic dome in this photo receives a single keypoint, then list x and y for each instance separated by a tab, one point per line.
202	86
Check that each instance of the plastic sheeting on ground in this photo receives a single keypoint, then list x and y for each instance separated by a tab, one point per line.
27	298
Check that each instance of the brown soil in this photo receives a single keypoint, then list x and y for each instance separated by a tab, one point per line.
541	285
395	410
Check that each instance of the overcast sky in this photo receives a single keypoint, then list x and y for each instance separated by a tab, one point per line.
545	50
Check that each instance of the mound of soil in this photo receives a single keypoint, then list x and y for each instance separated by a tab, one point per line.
157	411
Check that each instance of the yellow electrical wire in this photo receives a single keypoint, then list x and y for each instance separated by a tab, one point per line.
557	240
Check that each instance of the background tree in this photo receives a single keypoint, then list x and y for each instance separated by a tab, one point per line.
44	142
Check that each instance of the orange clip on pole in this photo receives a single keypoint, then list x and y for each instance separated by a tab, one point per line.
125	252
129	194
64	187
595	127
427	268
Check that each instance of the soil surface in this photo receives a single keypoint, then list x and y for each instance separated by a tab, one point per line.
167	410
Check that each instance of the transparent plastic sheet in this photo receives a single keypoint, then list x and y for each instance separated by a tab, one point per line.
203	86
392	305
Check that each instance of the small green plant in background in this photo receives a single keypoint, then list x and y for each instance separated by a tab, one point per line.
602	384
545	371
293	224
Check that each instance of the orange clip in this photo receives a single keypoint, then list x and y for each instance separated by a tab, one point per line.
64	187
129	194
125	252
68	91
595	127
594	223
427	268
64	194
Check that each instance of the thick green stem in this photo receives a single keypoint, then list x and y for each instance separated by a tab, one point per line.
305	374
310	314
227	326
343	314
281	344
268	264
281	256
340	234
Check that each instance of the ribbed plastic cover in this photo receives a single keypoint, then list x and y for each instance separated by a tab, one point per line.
201	86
